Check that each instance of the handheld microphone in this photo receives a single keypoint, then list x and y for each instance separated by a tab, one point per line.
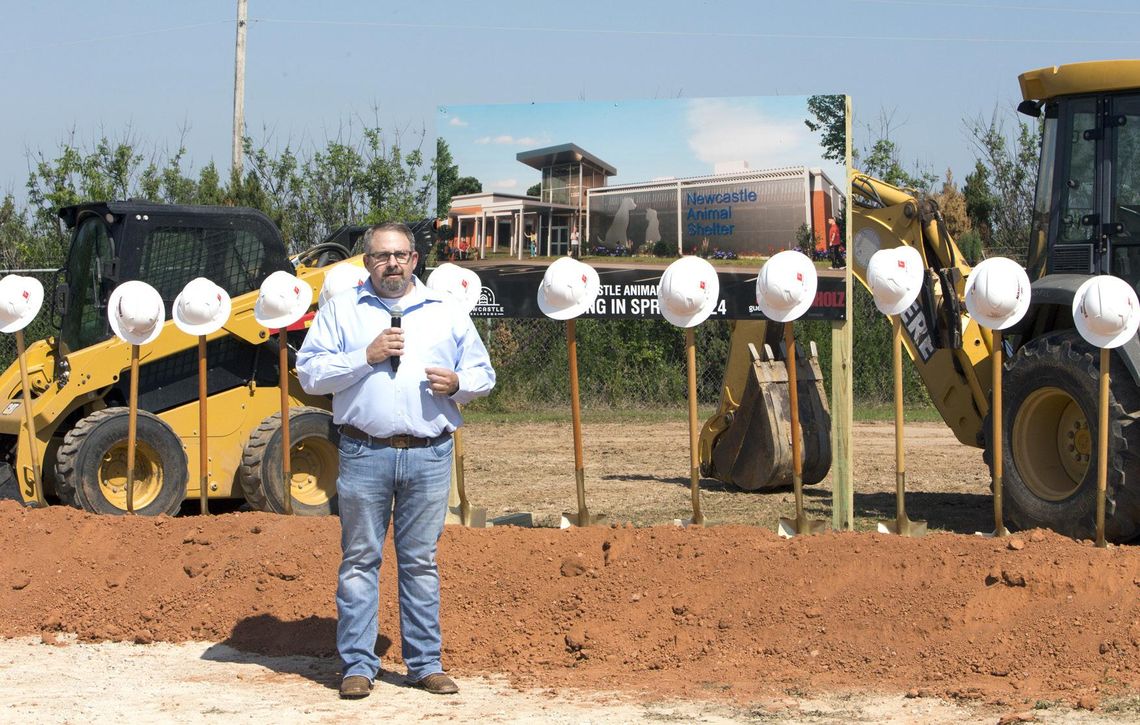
397	321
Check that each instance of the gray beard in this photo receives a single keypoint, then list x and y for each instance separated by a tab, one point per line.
393	286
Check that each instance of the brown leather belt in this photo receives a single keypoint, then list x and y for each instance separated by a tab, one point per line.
400	441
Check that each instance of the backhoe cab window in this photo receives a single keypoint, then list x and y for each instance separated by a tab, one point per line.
1078	192
89	267
1124	198
174	255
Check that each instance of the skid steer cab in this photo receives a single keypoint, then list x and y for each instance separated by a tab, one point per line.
80	376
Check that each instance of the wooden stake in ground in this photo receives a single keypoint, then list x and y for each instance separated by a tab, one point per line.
996	434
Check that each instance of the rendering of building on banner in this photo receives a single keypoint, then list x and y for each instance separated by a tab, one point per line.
735	209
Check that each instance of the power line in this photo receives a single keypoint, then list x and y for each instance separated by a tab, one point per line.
119	36
686	33
990	6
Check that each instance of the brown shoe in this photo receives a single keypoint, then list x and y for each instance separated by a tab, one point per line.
355	687
437	684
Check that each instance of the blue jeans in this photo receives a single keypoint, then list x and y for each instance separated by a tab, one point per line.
418	481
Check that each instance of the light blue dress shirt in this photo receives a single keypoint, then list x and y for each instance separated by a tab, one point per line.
437	333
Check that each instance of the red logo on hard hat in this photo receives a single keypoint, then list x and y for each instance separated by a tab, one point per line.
26	295
583	279
902	264
463	283
702	284
799	277
297	290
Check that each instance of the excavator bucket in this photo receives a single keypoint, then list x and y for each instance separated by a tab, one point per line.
754	451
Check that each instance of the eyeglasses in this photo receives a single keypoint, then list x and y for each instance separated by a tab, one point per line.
383	257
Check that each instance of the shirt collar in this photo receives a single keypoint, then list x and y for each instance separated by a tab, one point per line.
420	293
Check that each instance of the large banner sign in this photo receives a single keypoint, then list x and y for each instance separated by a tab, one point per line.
510	290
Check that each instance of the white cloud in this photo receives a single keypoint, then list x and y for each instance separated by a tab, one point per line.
504	184
506	139
726	130
456	121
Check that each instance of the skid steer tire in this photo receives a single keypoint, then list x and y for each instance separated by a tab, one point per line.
313	458
91	465
1049	434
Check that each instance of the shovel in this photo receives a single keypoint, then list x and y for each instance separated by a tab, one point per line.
801	524
995	420
37	479
1102	448
694	462
900	525
132	428
203	453
583	517
468	516
286	462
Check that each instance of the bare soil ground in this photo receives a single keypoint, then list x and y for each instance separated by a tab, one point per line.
626	623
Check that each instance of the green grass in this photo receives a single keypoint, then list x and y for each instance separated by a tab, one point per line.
876	412
606	415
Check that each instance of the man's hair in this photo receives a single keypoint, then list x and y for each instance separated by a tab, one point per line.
389	227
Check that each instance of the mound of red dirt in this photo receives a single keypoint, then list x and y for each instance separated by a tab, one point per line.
720	612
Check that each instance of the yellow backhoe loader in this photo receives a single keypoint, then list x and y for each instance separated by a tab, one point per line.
1086	221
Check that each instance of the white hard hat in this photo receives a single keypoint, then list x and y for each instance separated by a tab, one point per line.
136	312
340	277
689	291
785	287
895	278
997	293
284	298
1106	311
568	289
460	283
20	301
201	307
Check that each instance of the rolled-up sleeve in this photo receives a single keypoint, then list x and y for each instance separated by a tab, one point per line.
324	367
473	364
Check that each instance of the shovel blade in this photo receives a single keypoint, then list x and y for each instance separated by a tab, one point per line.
799	527
993	534
903	527
475	518
581	519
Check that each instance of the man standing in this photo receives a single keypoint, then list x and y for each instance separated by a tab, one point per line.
834	244
398	360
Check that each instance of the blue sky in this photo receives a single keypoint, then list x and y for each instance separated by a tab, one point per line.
162	72
643	140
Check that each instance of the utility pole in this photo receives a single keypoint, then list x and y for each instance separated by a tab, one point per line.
239	86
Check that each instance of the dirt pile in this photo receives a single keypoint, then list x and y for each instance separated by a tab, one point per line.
721	612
